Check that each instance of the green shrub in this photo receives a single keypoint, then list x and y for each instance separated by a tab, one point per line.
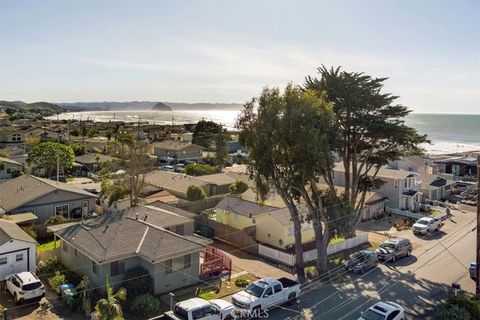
454	313
55	220
31	232
56	280
49	266
195	193
72	277
241	282
238	187
200	169
139	282
145	305
471	305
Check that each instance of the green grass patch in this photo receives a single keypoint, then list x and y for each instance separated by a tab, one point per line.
49	245
226	288
337	239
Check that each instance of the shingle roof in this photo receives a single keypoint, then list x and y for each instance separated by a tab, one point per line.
242	207
432	181
26	188
384	172
7	160
171	180
159	217
217	178
127	238
9	230
91	158
174	145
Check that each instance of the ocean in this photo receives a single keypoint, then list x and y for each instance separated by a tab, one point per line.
448	133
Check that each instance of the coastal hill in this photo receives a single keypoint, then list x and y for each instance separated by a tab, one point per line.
148	105
161	107
42	107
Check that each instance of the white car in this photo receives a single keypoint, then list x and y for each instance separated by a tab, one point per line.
24	286
384	311
200	309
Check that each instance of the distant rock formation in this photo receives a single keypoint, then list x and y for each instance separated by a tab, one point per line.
161	107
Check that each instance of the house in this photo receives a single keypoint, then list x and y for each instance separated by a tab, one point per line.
159	214
239	213
179	150
162	196
458	167
177	183
416	164
44	198
109	250
435	187
93	162
17	249
400	187
9	168
162	132
13	134
275	228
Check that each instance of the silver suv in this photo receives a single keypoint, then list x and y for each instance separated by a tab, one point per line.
394	248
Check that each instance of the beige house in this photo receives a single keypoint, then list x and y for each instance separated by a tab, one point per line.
435	187
178	150
44	198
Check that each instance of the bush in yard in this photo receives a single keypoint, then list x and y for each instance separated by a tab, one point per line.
139	282
241	282
239	187
56	280
49	266
454	313
195	193
72	277
469	304
145	305
31	232
55	220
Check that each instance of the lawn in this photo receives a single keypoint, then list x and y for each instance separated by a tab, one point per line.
227	288
48	245
336	239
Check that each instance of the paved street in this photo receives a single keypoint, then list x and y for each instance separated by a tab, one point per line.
419	283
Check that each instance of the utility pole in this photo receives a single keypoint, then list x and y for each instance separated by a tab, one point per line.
477	278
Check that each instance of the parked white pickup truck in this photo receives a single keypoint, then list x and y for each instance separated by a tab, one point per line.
266	293
199	309
426	225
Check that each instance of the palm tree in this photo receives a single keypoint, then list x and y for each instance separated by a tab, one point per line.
109	308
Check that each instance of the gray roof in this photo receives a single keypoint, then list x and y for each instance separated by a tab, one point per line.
127	238
433	181
160	217
26	188
383	172
242	207
10	231
218	179
7	160
91	158
174	145
172	181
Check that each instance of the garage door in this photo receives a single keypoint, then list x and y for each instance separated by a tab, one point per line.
13	262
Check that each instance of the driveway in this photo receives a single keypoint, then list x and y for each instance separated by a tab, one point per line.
48	308
243	261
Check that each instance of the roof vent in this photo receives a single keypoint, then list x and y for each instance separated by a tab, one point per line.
146	216
106	227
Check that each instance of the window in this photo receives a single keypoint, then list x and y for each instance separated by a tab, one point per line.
168	266
76	253
392	315
19	257
180	229
64	246
62	210
3	260
11	170
268	293
16	137
117	268
94	267
277	288
186	261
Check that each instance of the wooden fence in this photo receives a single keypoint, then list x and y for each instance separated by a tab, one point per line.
200	205
288	259
241	239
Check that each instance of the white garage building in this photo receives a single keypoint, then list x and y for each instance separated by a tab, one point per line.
17	249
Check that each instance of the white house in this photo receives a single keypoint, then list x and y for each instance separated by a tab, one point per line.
17	249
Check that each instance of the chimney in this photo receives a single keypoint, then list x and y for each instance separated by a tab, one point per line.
136	215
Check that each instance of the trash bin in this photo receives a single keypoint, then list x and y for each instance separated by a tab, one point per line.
207	232
473	270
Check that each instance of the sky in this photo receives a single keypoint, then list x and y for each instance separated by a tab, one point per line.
227	51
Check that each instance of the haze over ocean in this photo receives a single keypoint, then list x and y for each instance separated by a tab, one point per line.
448	132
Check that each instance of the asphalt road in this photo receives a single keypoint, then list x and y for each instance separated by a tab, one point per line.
419	283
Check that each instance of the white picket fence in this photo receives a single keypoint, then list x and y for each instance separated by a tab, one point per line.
289	259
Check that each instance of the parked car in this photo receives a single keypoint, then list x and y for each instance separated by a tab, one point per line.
384	311
180	167
167	168
24	286
200	309
266	293
426	225
394	248
361	261
60	178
